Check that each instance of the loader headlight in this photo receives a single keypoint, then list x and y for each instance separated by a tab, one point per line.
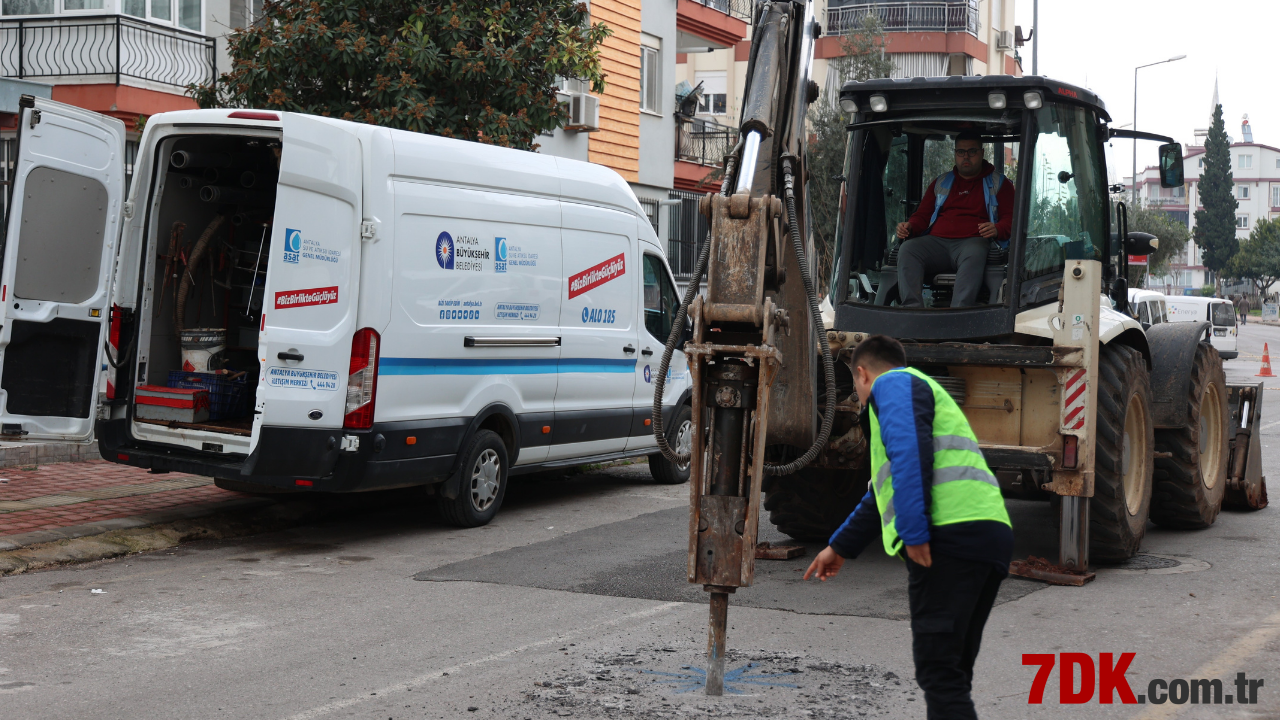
879	104
1032	100
848	105
996	100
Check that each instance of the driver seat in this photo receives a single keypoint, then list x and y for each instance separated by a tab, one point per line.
943	284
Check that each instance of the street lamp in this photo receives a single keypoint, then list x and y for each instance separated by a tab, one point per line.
1135	120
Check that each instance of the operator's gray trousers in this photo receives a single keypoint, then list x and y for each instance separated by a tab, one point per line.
929	255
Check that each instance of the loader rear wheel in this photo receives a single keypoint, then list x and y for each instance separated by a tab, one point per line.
1123	464
811	504
1190	484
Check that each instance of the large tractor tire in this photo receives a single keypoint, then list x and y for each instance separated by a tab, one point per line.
1123	464
811	504
1191	482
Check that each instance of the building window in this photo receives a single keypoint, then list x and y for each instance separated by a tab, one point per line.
1242	192
29	7
1242	222
1246	161
714	93
74	5
650	80
1275	196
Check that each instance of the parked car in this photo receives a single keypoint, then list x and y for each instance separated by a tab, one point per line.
1149	307
1221	313
399	309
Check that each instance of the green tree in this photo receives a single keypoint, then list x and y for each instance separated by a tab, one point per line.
1173	239
1215	230
863	59
467	69
1259	258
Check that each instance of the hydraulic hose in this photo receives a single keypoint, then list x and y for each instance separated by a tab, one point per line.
815	314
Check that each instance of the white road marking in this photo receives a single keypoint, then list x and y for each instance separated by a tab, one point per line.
328	708
1226	661
1268	426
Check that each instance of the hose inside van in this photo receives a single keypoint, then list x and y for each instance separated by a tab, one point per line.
677	329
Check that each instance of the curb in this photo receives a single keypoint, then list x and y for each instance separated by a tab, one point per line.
157	531
23	455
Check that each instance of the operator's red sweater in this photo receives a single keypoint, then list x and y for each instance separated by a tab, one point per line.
965	208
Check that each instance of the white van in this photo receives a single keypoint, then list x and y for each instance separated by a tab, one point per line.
1221	313
399	309
1149	307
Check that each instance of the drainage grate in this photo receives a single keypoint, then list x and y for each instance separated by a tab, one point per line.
1148	562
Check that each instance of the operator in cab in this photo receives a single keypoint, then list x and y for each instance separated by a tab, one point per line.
961	213
933	502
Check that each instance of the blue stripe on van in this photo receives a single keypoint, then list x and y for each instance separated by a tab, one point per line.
531	366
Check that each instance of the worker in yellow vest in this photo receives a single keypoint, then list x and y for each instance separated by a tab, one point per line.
932	499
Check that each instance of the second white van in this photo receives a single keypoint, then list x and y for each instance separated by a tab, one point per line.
1220	313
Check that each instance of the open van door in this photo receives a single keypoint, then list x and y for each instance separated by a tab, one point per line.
313	278
58	259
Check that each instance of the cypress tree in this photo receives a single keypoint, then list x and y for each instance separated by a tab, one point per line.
1215	230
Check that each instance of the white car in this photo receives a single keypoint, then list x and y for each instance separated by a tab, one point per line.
399	309
1220	313
1149	307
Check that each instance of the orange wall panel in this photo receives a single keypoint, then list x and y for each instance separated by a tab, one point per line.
617	144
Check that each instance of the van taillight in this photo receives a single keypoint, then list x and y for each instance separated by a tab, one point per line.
362	381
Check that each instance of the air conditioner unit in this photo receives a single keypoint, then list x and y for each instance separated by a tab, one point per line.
1004	40
584	113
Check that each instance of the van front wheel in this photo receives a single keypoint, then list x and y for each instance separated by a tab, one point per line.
484	482
680	438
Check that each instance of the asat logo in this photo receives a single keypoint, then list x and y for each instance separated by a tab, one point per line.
292	245
499	255
444	251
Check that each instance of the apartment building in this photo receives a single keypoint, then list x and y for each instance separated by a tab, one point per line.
1255	169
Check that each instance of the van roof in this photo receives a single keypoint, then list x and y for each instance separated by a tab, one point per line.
450	161
1194	300
1140	295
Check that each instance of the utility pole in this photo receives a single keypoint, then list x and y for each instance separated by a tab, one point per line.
1035	37
1135	121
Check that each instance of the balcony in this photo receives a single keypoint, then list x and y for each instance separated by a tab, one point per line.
703	25
945	17
105	48
704	142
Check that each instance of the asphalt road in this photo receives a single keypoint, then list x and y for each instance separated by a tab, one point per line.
572	604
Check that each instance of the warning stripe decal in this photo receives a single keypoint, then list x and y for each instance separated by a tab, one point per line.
1073	403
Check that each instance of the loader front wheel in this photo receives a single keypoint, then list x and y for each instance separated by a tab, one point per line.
812	503
1123	461
1191	482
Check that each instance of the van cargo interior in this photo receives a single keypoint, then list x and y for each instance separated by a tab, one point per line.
210	237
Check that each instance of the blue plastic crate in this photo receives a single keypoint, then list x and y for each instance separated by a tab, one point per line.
227	398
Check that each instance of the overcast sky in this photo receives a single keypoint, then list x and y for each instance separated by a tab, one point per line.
1097	44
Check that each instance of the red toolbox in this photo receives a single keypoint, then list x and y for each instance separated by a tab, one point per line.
166	404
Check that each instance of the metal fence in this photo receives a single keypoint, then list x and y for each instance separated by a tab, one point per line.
686	231
651	209
740	9
112	46
704	142
907	17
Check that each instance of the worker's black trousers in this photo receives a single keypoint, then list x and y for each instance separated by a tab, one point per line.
950	602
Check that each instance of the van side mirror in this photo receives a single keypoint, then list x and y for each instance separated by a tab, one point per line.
1120	294
1171	165
1141	244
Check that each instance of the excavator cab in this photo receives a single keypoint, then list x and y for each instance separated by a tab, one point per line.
1044	138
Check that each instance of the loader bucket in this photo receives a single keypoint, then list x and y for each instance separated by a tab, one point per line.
1246	486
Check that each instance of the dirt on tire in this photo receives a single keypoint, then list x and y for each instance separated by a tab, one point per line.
1187	495
1114	531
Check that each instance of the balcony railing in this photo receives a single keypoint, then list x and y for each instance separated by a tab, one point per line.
907	17
704	142
107	46
740	9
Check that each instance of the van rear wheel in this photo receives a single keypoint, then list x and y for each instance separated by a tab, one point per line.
1123	464
484	483
680	438
1192	481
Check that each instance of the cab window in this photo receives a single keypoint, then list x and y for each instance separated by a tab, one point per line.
660	301
1143	315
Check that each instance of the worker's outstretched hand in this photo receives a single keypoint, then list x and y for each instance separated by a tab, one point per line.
826	565
987	230
919	554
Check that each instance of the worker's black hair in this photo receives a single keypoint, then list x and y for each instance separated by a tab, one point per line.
879	352
970	135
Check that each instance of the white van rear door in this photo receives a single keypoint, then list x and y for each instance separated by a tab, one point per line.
312	277
62	226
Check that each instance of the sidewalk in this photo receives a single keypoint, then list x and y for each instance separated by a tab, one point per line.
63	500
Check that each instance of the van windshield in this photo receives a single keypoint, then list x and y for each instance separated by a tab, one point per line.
1223	315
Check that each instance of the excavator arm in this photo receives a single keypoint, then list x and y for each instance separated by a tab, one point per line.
758	338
